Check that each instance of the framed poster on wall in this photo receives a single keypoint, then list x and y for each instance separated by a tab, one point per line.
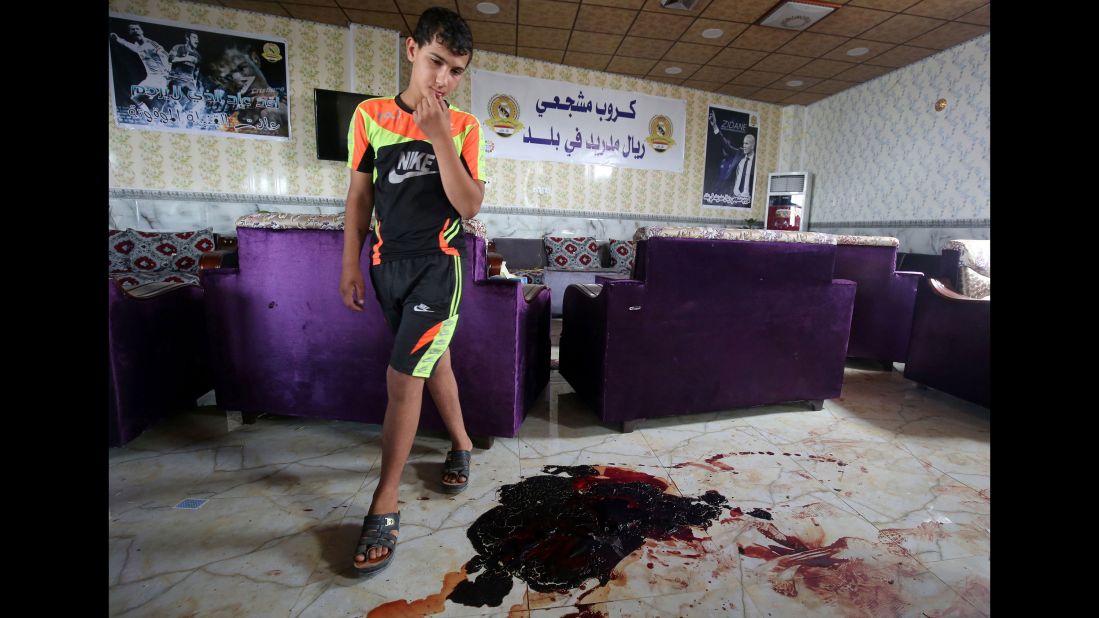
172	76
730	169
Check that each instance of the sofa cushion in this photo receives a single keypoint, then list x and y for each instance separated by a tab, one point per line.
176	251
579	253
974	284
623	253
522	252
131	279
120	246
974	266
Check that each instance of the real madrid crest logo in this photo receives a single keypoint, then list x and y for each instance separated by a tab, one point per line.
503	114
271	52
660	133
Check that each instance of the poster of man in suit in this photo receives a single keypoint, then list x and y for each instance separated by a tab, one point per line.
730	169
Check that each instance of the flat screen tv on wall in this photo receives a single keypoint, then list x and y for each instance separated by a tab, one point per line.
334	110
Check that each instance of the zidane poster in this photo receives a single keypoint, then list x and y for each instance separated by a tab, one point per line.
730	170
171	76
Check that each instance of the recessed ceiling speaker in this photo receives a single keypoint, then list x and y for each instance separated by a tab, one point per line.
797	15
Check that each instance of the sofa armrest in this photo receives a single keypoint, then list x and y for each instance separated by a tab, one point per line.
591	290
149	290
531	291
942	291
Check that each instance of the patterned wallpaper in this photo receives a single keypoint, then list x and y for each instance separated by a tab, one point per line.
317	56
880	151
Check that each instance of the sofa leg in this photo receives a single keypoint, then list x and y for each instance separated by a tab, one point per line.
629	426
236	418
816	404
483	442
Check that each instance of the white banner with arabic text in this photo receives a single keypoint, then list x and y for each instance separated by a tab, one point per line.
547	120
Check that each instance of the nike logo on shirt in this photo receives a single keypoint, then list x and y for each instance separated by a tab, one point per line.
412	164
395	178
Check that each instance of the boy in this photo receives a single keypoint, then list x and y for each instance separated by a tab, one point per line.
420	165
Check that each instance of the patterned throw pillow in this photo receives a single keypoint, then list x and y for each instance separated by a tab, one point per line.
120	246
571	253
622	253
179	251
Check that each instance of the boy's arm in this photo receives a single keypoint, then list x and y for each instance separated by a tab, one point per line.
464	193
356	225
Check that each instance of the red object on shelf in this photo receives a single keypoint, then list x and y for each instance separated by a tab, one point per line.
784	217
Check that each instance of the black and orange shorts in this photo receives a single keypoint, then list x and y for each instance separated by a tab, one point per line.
420	298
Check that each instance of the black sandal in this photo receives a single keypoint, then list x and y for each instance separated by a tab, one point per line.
457	463
376	533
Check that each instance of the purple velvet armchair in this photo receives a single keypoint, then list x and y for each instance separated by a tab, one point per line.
884	299
282	341
712	319
950	349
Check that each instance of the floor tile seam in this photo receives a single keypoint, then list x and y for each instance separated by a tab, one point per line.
941	471
278	468
268	544
953	589
189	573
328	584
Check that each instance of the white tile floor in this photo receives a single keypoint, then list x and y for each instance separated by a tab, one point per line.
879	506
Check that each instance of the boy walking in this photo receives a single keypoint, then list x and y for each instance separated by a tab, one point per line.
416	162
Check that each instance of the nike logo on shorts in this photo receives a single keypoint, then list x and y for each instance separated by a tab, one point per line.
422	308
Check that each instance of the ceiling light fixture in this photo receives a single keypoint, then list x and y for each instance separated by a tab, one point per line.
858	51
712	33
794	83
488	8
673	70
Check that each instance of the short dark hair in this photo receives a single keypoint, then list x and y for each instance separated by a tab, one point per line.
446	26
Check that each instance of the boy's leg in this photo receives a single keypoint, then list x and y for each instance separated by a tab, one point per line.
402	416
444	391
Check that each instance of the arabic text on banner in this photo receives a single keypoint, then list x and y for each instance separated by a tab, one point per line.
547	120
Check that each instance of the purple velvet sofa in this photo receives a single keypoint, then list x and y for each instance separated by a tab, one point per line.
950	349
283	342
884	299
157	355
712	319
